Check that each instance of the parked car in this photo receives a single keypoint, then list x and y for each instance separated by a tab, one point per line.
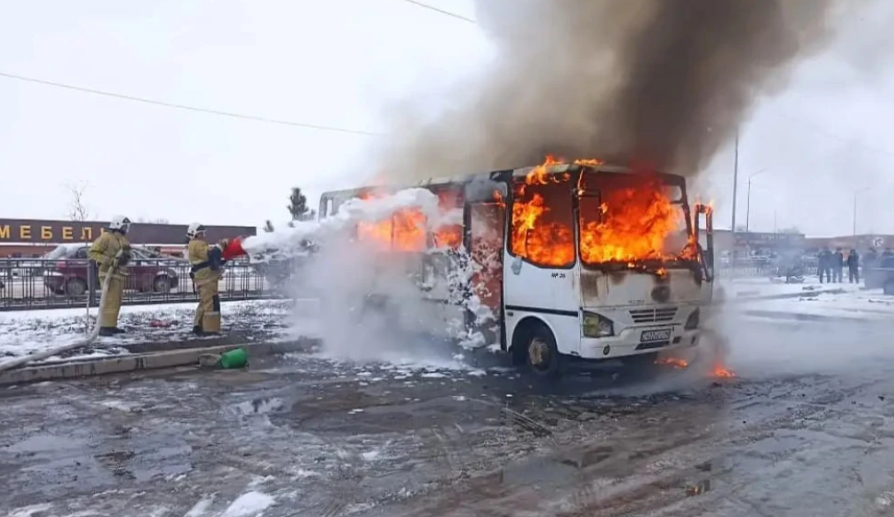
149	272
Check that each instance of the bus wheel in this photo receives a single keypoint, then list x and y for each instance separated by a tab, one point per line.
541	352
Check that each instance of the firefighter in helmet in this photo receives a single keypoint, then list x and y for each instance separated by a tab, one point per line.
205	261
111	252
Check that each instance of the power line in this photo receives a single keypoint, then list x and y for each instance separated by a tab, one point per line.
188	108
435	9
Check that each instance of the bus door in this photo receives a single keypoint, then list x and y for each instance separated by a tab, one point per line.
485	234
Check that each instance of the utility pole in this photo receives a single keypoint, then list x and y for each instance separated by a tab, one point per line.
735	184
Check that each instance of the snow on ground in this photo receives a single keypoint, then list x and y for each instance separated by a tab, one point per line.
743	288
249	504
25	332
853	304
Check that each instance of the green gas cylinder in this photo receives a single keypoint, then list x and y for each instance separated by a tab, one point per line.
237	358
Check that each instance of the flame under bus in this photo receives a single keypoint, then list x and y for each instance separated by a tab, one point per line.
584	260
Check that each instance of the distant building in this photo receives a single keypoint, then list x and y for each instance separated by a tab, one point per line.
742	242
860	242
34	237
762	242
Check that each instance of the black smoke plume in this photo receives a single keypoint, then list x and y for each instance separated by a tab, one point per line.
662	81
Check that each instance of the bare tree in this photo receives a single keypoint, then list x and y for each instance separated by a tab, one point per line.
77	208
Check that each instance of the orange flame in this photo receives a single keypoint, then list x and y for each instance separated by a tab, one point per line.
590	162
377	233
541	174
675	362
536	233
681	364
406	229
498	199
720	371
631	222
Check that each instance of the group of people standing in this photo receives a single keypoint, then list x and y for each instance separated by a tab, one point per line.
830	266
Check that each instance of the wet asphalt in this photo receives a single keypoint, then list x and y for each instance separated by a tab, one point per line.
805	428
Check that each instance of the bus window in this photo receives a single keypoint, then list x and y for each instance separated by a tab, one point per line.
627	218
449	236
408	230
375	234
542	224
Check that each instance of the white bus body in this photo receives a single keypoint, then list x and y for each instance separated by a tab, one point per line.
596	312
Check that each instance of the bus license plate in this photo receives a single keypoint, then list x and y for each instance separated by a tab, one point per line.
649	336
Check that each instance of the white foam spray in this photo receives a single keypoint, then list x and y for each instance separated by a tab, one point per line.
290	240
383	306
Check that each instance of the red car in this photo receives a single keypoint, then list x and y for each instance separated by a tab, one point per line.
149	272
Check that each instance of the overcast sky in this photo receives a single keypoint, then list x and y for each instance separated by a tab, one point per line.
348	64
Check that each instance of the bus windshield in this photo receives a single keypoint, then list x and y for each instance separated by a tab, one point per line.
632	219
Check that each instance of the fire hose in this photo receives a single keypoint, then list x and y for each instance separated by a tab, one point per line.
91	337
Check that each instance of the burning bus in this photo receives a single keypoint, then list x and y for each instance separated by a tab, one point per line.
566	260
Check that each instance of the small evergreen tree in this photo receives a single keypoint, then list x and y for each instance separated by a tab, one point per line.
268	226
297	205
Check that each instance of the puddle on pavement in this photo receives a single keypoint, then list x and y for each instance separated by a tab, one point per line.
45	443
143	462
53	466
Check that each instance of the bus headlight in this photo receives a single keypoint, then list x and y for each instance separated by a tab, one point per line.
692	321
596	325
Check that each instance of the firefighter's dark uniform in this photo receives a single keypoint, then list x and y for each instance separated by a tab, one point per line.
105	252
837	266
853	266
206	272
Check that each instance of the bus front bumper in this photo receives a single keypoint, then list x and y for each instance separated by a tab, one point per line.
636	341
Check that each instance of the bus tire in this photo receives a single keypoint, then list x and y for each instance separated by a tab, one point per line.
540	351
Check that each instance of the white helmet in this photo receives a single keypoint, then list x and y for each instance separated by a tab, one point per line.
194	230
120	223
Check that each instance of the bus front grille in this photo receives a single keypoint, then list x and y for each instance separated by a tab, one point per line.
653	315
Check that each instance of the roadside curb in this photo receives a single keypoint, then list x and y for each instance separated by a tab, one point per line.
801	316
146	361
783	296
208	342
146	347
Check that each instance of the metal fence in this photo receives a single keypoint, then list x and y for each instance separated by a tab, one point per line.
756	267
38	283
759	271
